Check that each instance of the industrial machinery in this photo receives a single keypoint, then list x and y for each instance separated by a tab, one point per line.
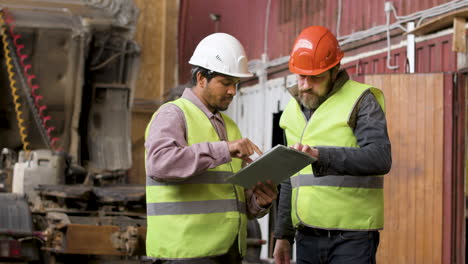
67	81
68	74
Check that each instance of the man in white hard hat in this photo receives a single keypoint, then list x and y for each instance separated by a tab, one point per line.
194	216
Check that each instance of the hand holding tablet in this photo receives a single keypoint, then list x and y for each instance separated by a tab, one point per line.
277	164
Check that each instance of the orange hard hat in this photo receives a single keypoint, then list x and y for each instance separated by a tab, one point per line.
315	51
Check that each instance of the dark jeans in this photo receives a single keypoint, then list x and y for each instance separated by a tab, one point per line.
231	257
317	246
224	259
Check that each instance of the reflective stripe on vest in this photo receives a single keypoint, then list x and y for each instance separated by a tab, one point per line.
195	207
201	216
208	177
336	201
374	182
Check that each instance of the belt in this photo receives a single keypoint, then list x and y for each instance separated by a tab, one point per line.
312	231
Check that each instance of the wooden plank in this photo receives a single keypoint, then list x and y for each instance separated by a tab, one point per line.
385	242
149	35
438	23
438	139
157	36
429	172
402	191
397	95
170	48
98	240
413	188
462	165
439	89
421	162
391	205
145	105
139	122
412	170
459	36
394	94
466	144
399	187
448	180
92	240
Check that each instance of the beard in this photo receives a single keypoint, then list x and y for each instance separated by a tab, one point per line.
310	100
223	107
222	103
216	102
219	103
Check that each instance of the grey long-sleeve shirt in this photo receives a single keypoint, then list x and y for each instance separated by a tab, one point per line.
170	159
372	158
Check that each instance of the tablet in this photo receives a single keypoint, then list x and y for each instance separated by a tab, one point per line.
277	164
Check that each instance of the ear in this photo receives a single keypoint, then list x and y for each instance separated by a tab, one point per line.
201	80
334	72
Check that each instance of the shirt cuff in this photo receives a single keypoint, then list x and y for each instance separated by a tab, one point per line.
289	238
221	152
260	211
323	162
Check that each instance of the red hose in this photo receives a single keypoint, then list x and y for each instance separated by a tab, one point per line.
38	99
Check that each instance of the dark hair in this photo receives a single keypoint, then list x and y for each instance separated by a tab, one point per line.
208	74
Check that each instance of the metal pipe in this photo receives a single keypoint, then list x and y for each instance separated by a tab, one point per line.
20	233
338	19
391	67
410	48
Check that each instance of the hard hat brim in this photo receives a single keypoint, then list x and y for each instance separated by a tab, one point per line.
300	71
239	75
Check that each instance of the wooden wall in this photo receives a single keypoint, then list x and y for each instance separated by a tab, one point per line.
157	36
466	143
414	187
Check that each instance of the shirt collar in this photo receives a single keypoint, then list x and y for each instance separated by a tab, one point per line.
190	95
341	78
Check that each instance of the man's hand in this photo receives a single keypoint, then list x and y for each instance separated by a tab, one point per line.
243	149
265	193
306	149
282	252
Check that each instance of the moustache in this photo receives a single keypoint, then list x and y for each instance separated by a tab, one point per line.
308	92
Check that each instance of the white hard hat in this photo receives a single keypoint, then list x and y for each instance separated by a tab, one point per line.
222	53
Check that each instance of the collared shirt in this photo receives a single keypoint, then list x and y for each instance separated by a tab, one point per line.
170	159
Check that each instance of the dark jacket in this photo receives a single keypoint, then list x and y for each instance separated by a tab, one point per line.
372	158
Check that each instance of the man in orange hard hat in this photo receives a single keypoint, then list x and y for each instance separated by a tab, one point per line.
334	208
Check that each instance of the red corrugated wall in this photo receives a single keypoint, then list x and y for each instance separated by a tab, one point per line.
246	20
434	55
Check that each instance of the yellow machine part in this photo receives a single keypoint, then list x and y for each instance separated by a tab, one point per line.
14	90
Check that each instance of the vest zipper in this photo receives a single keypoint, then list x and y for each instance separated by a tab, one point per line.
298	188
307	123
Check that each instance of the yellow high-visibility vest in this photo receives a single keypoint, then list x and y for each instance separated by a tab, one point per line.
342	202
201	216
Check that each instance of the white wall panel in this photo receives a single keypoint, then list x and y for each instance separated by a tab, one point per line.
252	110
